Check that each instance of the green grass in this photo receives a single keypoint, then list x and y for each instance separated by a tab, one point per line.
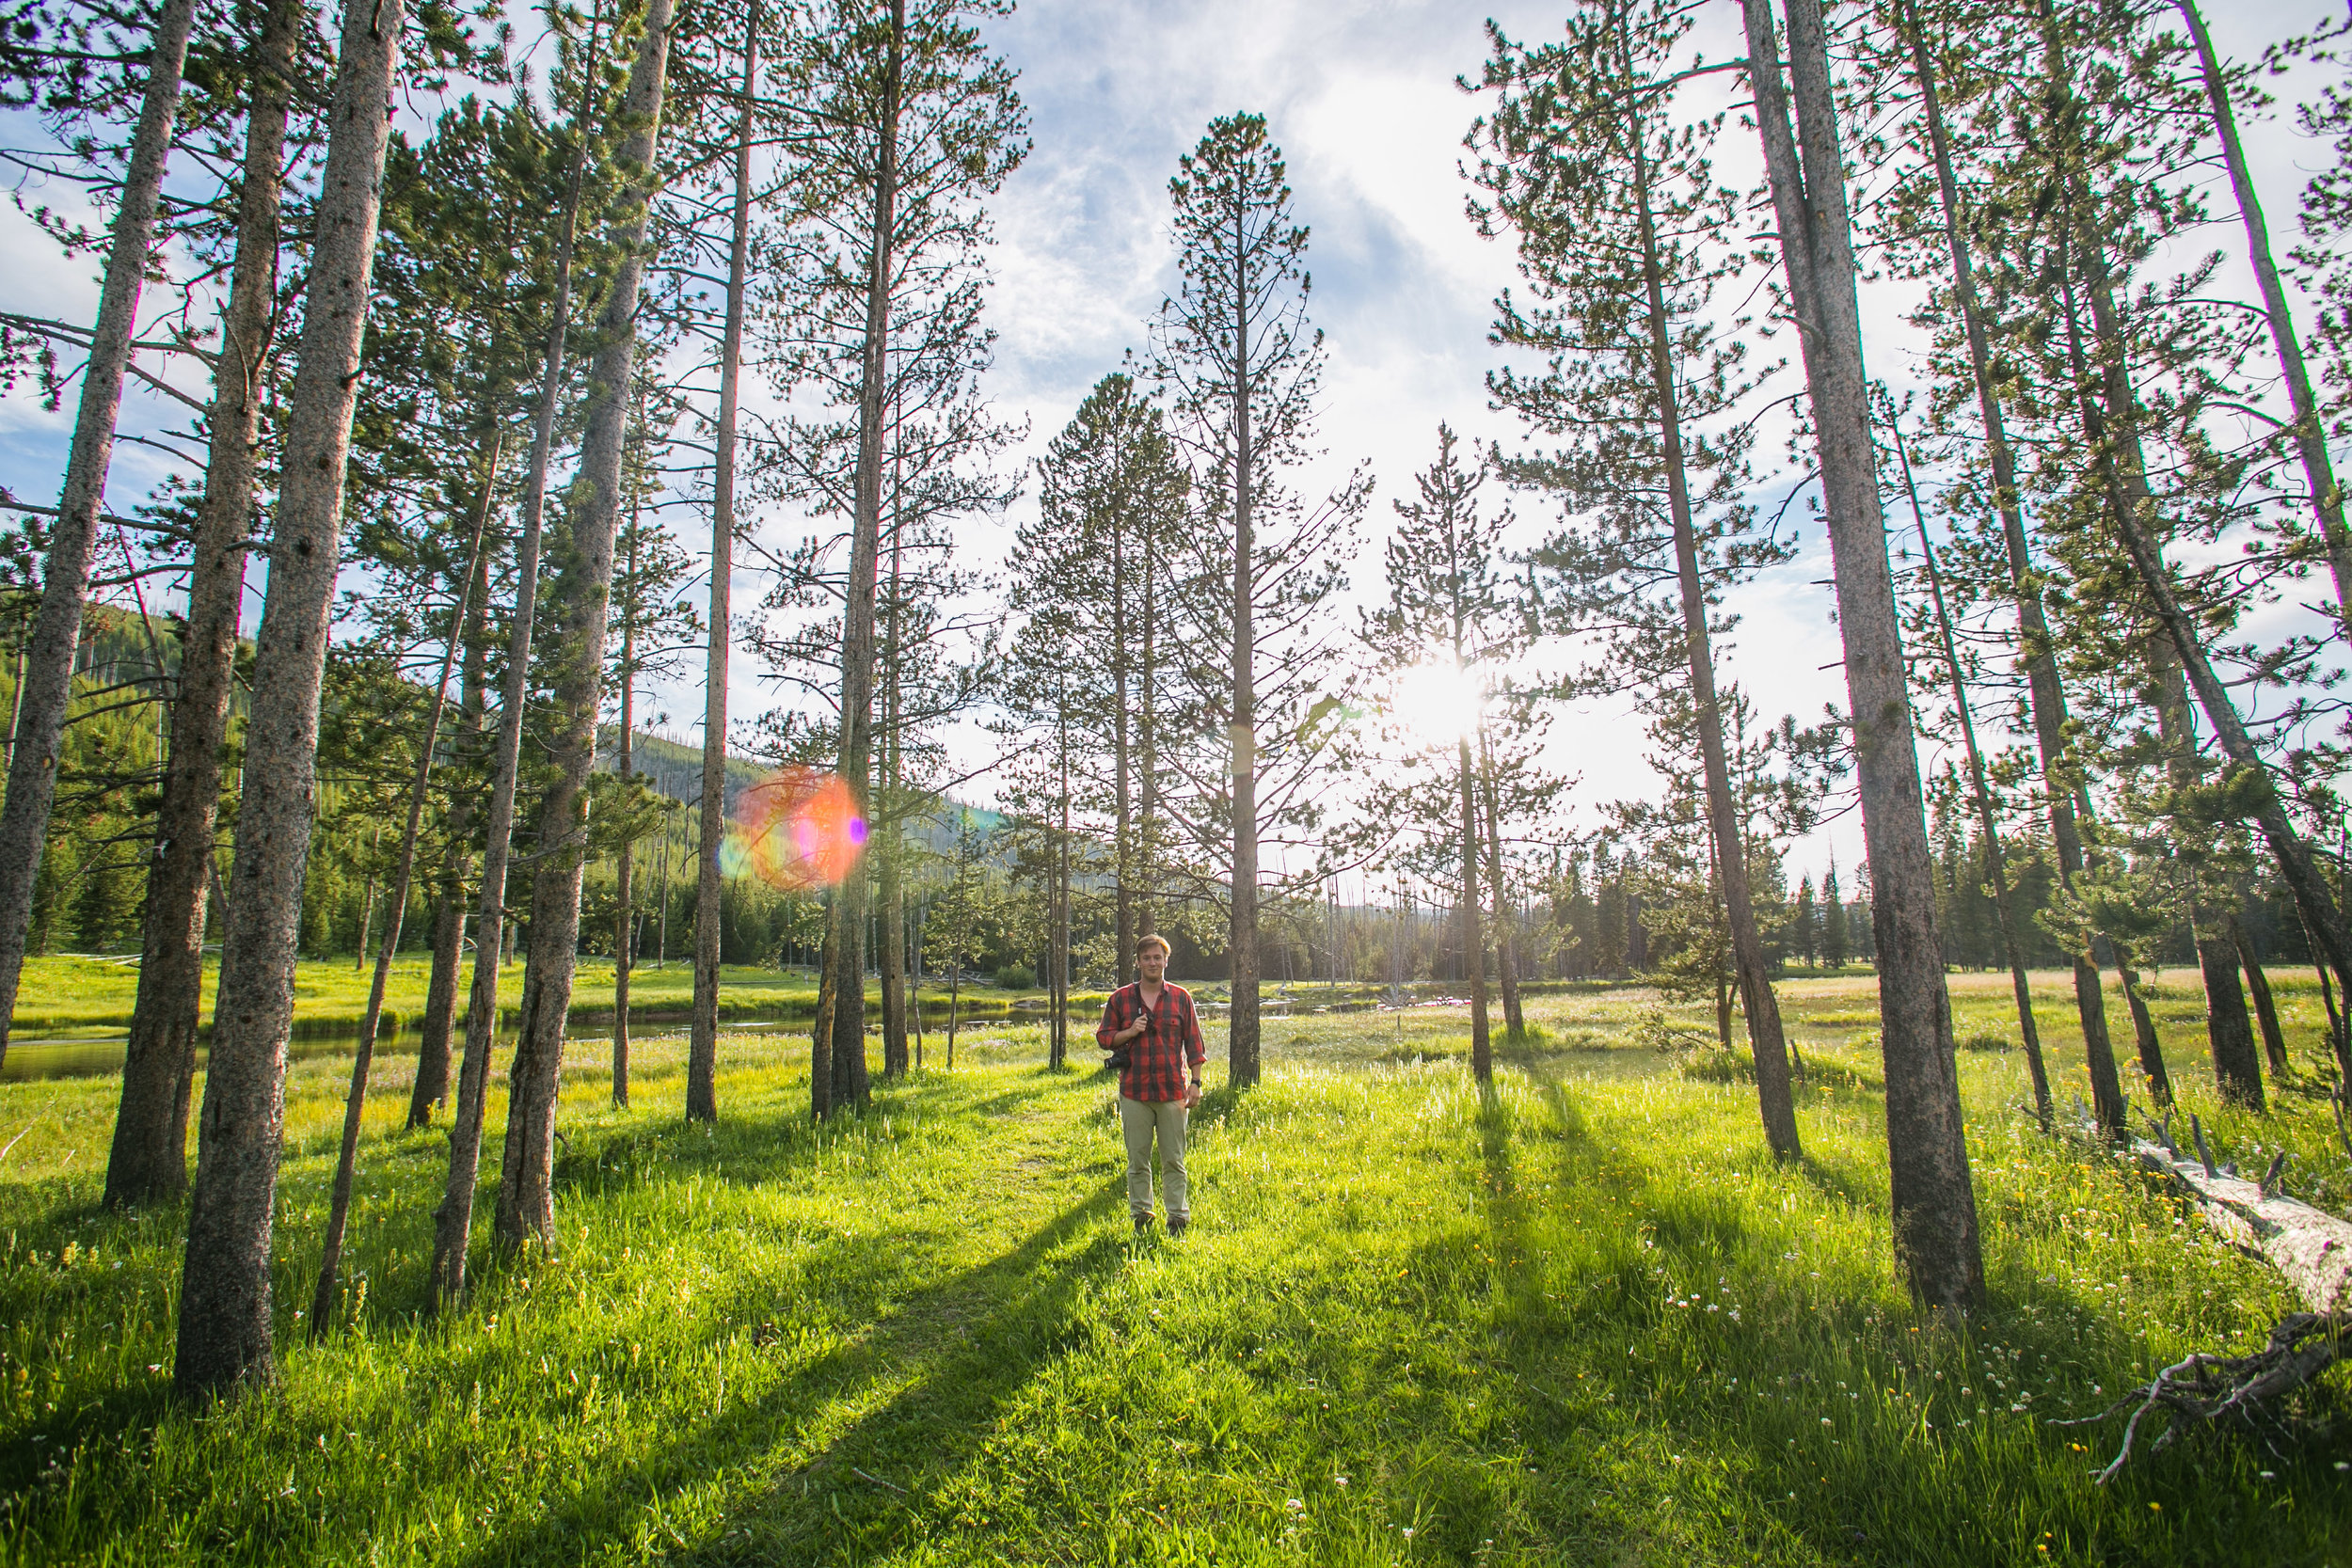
1581	1318
70	994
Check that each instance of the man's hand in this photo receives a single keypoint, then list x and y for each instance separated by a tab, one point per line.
1192	1096
1134	1031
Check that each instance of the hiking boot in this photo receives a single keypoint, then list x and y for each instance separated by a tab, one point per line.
1143	1224
1176	1223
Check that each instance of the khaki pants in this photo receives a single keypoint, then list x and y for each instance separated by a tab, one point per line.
1140	1120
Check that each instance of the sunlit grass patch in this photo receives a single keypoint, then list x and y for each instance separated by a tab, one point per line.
1578	1317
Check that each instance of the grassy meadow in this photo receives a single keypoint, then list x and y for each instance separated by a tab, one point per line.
71	993
1580	1318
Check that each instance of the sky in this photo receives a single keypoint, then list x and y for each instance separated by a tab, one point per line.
1362	99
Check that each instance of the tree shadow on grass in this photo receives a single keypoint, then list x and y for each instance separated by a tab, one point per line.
954	1350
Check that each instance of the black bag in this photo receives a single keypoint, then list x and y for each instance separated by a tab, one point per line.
1122	1057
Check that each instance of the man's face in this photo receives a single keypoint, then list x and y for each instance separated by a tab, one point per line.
1152	961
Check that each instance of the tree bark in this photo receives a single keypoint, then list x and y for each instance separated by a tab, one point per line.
1937	1239
702	1050
44	690
1996	867
431	1088
857	622
225	1286
2310	439
149	1161
581	597
452	1222
2265	1007
2045	692
347	1161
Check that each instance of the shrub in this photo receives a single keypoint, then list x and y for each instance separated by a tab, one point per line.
1016	977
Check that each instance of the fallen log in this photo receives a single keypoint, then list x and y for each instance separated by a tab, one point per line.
2310	1247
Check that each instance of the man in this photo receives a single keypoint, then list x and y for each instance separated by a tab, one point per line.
1152	1024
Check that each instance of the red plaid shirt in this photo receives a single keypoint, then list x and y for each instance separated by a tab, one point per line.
1158	1058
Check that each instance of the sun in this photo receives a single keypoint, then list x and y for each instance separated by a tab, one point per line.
1439	704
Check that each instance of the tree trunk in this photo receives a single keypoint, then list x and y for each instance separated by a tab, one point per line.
581	596
2229	1033
701	1049
1996	868
1240	1040
2310	439
2265	1007
888	842
149	1161
452	1222
624	914
1473	940
1061	901
2236	1070
1506	943
347	1161
893	954
44	690
1147	758
448	917
820	1037
2045	693
1776	1099
225	1287
1936	1236
857	620
367	908
661	922
1123	934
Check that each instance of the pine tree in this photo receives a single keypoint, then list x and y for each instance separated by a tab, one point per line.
225	1309
1937	1241
580	597
1624	236
912	124
1805	930
148	1157
1234	352
45	687
1451	617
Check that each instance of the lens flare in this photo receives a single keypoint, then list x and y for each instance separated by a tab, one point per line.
798	828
